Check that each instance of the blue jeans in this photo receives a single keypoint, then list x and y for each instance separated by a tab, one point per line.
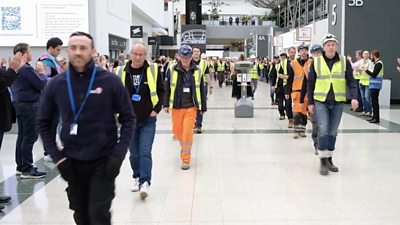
27	134
366	98
329	115
140	149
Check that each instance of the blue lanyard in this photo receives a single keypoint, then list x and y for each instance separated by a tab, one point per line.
140	83
71	95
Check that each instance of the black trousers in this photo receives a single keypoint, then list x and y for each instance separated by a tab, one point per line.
280	98
375	103
221	78
91	191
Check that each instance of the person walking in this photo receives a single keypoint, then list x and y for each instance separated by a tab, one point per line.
88	99
145	85
184	95
53	67
326	92
200	60
300	66
316	51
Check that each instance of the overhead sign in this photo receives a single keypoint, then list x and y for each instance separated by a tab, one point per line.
303	34
136	31
278	41
194	34
152	41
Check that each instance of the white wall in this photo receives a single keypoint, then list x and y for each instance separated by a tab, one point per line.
153	8
108	17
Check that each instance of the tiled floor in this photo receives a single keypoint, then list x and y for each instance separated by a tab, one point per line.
244	172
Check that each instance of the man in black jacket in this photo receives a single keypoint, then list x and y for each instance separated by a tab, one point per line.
184	95
6	117
88	98
145	85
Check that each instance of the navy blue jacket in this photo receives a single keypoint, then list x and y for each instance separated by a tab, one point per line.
29	84
97	128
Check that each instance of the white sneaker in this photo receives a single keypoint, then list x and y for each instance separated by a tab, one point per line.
136	184
47	158
144	190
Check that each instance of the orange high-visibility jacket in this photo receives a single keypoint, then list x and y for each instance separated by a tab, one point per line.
299	73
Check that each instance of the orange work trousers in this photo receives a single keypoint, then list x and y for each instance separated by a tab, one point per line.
297	107
182	127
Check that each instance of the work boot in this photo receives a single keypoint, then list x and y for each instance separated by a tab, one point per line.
291	123
281	117
185	166
324	170
296	135
303	134
331	166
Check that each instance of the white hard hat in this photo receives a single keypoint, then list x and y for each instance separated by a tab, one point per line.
203	55
252	57
329	37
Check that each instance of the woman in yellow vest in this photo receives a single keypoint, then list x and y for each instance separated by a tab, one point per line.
184	95
329	75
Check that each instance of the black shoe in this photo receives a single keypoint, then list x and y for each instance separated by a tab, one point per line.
374	121
331	166
5	199
1	208
323	170
359	110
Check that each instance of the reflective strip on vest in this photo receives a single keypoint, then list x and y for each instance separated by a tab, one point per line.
254	72
197	81
299	73
326	78
376	83
282	64
364	77
203	66
151	75
221	66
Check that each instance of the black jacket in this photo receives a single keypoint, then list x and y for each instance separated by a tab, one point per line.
179	87
145	106
97	128
6	110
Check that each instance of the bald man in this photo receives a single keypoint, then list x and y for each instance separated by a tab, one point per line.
145	85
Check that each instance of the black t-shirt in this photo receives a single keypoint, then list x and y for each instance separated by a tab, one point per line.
186	91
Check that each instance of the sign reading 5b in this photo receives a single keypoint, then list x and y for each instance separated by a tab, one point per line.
356	3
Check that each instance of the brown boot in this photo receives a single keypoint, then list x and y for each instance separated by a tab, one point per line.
291	123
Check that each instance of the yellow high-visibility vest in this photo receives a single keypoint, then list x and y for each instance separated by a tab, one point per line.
364	77
283	65
221	66
254	72
151	74
173	81
326	78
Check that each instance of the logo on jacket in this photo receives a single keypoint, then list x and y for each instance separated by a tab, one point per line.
98	91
